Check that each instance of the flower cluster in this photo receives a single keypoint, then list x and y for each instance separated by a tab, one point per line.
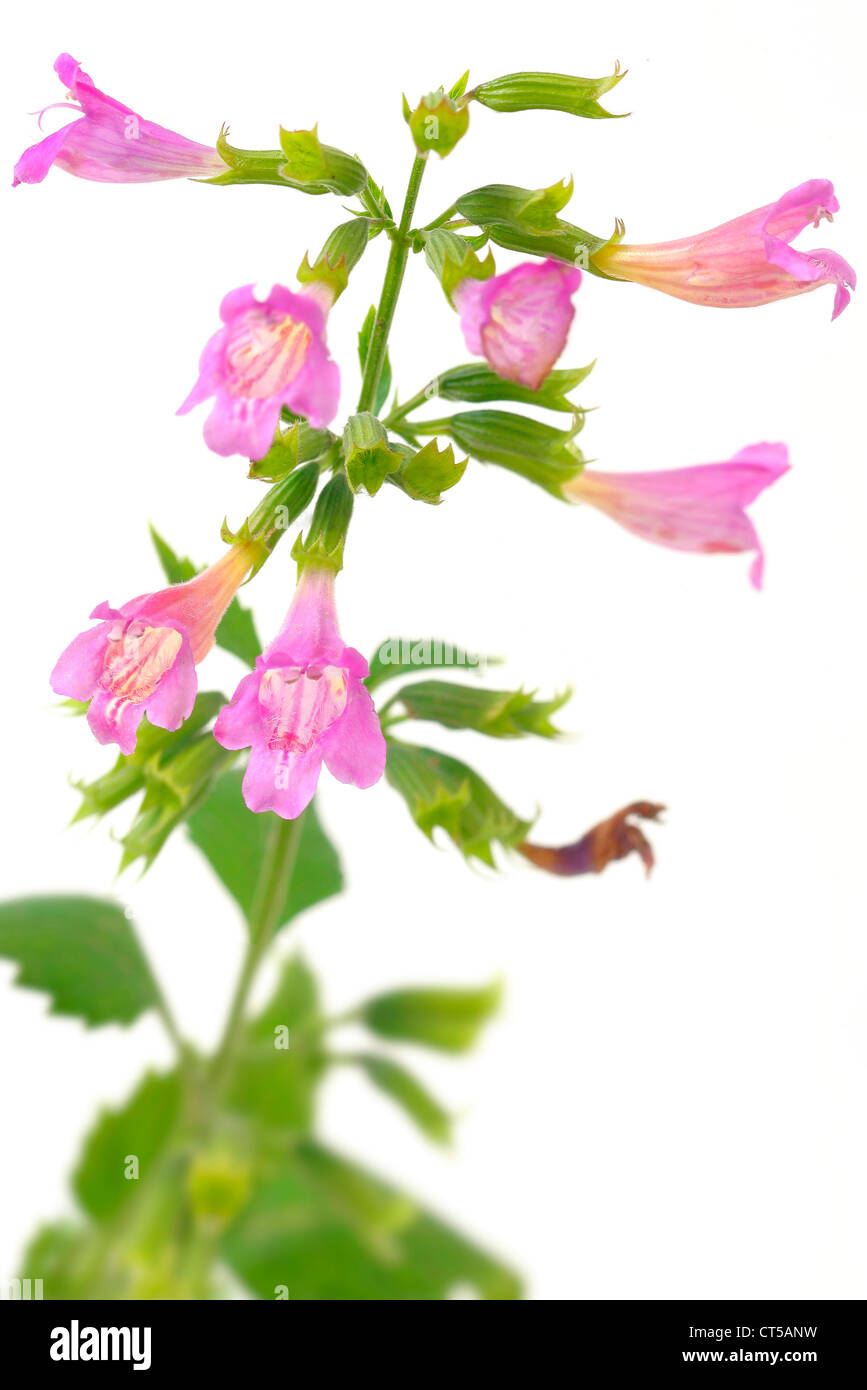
275	390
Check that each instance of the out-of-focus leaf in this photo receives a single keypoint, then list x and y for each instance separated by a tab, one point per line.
233	841
442	791
280	1059
399	1084
300	1238
237	631
498	713
447	1019
138	1130
406	656
81	951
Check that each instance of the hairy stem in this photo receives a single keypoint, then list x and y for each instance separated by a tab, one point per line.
390	290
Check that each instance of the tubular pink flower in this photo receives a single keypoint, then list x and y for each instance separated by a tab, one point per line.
110	143
745	262
519	321
268	354
305	704
142	657
698	509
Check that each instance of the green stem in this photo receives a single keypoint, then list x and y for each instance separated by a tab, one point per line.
441	220
279	861
420	397
390	290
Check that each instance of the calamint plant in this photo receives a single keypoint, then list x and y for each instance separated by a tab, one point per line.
211	1179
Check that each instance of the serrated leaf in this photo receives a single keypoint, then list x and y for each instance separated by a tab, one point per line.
498	713
296	1236
476	383
138	1130
449	1020
399	1084
404	656
233	841
82	952
237	631
442	791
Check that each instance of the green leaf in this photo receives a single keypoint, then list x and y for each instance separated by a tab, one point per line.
304	1233
364	337
237	631
137	1130
426	473
498	713
534	451
81	951
442	791
549	91
313	167
407	1091
449	1020
174	787
476	383
280	1059
407	656
233	841
368	455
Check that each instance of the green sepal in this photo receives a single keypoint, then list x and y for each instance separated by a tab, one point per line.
525	219
312	167
476	383
407	656
298	444
270	519
449	1020
174	787
247	166
364	335
437	123
537	452
442	791
399	1084
338	257
425	474
548	91
323	544
367	453
452	260
129	772
498	713
460	86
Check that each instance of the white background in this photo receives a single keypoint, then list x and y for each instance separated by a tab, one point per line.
672	1104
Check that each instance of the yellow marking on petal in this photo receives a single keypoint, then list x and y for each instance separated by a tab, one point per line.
265	354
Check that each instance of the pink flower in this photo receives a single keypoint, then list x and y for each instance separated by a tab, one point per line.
519	321
305	704
110	143
745	262
142	657
699	509
267	355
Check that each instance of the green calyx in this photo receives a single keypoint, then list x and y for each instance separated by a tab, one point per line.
312	167
526	220
437	123
299	443
338	257
426	473
281	505
476	383
537	452
247	166
452	260
368	455
548	91
325	539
